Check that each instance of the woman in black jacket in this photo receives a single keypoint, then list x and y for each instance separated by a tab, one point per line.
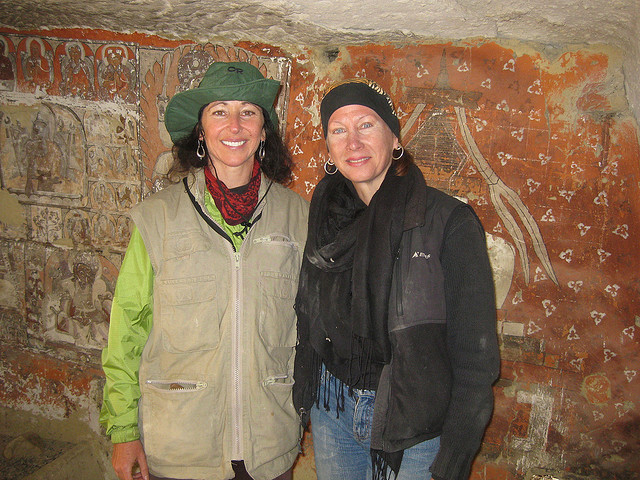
396	308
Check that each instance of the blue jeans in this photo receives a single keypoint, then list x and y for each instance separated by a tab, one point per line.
341	445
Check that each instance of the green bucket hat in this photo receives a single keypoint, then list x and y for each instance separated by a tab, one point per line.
222	81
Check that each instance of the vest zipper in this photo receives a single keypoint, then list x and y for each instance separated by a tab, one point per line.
236	364
177	385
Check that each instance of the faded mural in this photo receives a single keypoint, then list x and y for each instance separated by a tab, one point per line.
69	151
543	147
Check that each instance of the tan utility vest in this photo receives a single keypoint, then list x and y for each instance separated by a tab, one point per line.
216	371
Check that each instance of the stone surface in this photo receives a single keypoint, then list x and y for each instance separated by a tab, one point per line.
27	453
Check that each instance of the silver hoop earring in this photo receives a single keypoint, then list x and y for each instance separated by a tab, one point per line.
200	151
395	150
261	151
330	167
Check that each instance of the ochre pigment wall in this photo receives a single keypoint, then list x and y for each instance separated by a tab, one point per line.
539	141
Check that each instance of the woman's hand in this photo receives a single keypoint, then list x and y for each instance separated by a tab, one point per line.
126	456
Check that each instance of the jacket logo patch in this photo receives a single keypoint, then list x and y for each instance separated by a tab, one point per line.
421	255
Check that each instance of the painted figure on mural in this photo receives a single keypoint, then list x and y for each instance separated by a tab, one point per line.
81	310
44	157
199	364
76	227
46	224
34	289
77	71
125	160
116	75
12	136
103	196
397	344
37	65
48	155
124	227
7	66
126	197
104	229
9	280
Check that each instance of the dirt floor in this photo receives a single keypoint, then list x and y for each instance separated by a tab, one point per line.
25	454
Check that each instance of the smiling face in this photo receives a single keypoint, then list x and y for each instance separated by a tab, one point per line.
232	131
360	144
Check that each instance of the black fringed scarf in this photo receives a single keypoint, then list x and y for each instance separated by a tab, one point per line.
345	279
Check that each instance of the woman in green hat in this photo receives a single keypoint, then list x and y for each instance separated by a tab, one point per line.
201	344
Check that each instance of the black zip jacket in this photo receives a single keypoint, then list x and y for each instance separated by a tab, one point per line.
442	327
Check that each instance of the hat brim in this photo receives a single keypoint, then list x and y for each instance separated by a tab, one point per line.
181	114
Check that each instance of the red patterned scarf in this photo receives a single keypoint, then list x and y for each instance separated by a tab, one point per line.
236	204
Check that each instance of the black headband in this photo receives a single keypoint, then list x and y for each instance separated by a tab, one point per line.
359	91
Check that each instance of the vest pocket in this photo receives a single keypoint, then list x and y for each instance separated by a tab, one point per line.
281	420
175	431
182	244
188	314
277	316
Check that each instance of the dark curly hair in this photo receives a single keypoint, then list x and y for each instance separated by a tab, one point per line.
277	164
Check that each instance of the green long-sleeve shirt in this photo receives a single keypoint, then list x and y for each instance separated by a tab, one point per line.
130	323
